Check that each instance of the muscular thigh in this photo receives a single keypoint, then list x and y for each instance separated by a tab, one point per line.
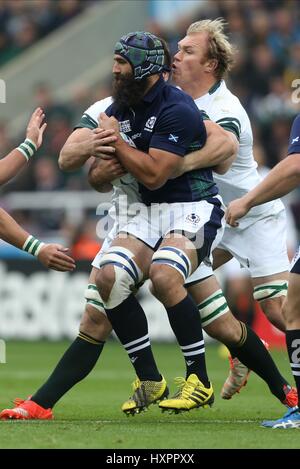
172	263
271	291
182	243
260	247
220	257
270	278
142	253
202	290
275	288
92	277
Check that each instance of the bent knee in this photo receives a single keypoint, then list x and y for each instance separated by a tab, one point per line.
273	309
95	324
164	279
118	276
105	280
290	313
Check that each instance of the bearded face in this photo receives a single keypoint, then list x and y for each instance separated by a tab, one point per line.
126	91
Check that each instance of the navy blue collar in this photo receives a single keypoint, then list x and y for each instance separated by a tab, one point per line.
154	90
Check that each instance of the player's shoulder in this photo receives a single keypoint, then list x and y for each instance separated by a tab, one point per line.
225	100
296	122
99	106
179	101
226	105
177	94
90	117
294	140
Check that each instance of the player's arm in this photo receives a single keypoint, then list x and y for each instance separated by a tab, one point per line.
11	164
219	151
82	144
169	143
52	256
151	169
102	172
282	179
231	148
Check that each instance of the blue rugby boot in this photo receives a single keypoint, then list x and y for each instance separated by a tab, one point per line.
291	419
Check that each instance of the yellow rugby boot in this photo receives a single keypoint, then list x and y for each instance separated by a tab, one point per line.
191	395
144	394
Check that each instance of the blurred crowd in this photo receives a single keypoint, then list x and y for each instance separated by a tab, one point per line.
23	22
266	34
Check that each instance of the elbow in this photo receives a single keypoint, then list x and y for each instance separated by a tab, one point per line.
231	146
229	152
154	182
63	162
227	143
3	180
290	167
92	180
2	222
233	149
97	184
222	168
230	149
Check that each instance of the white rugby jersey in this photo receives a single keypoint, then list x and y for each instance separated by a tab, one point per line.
125	189
225	109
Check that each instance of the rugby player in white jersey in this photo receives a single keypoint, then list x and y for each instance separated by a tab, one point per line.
282	179
198	68
94	329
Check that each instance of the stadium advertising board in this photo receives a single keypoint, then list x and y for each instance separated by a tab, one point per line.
36	303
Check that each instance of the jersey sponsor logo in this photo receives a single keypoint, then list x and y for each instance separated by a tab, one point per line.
173	138
125	126
193	218
150	124
295	140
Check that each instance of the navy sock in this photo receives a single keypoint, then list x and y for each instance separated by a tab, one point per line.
130	325
186	324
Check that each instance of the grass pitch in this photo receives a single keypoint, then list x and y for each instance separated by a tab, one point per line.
89	416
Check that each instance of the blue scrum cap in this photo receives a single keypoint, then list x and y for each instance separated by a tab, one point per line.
144	51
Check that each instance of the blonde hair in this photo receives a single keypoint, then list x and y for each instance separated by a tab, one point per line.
219	47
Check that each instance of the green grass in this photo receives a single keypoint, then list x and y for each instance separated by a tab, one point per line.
90	417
